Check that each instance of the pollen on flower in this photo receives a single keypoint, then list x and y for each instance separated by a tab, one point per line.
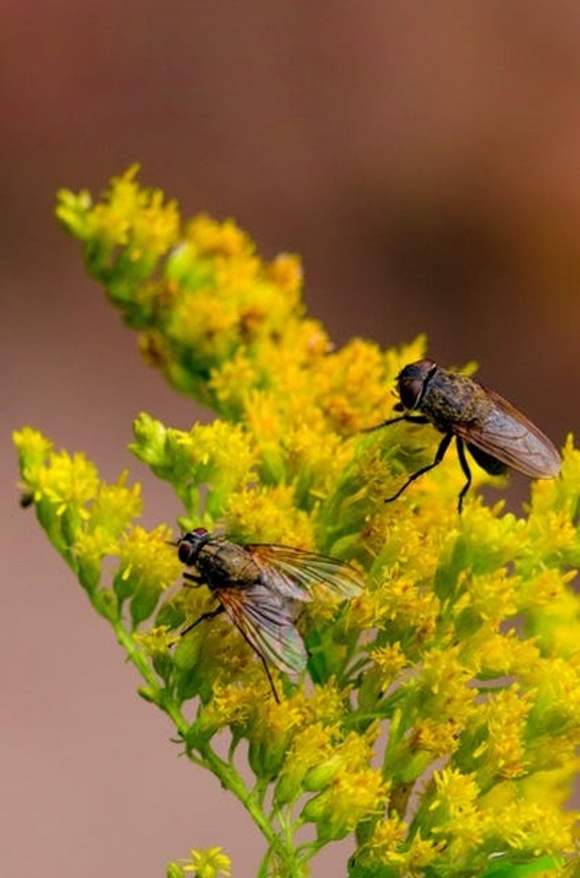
208	863
388	835
389	659
356	794
437	738
502	753
494	596
533	827
491	653
205	326
310	748
389	846
279	719
231	382
556	682
147	559
211	237
157	641
326	703
218	453
271	732
455	792
32	445
230	704
407	604
286	272
416	556
130	215
68	482
92	545
315	466
443	682
547	588
339	379
115	506
268	515
455	812
155	225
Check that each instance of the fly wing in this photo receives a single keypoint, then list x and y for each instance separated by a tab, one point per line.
297	574
266	621
507	435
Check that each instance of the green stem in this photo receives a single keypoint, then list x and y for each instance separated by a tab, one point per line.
281	845
263	870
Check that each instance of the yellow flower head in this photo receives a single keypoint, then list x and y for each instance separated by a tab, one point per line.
435	706
207	863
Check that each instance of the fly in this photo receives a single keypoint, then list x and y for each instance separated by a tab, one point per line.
496	434
259	586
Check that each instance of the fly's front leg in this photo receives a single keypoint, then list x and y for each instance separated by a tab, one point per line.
195	578
211	615
412	419
441	451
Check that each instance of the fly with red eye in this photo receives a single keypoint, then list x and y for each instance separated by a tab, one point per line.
259	587
496	434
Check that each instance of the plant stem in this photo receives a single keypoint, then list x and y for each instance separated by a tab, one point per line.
281	845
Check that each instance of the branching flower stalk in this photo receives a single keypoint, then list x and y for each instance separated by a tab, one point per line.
439	718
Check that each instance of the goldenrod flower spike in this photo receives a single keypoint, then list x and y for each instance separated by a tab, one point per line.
437	723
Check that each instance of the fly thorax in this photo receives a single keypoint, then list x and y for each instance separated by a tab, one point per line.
450	399
224	564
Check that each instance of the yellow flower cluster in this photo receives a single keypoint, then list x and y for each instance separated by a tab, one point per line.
207	863
441	722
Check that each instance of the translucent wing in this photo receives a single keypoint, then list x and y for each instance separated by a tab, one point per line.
299	575
266	621
507	435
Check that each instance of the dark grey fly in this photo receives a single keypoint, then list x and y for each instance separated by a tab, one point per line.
259	585
496	434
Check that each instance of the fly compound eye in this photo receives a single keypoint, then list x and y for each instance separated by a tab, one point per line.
190	545
186	551
412	382
410	391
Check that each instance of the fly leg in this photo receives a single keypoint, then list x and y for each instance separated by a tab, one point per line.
211	615
466	472
264	663
443	446
413	419
269	676
195	578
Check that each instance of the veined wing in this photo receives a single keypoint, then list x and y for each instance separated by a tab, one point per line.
266	621
506	434
297	574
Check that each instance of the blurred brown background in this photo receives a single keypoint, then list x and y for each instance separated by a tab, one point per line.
425	161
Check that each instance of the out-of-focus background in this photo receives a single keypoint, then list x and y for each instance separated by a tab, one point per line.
425	161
